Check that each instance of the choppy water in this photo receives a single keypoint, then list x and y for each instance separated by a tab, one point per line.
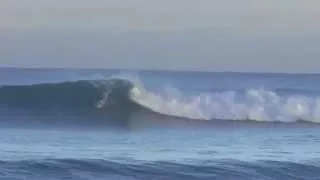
97	124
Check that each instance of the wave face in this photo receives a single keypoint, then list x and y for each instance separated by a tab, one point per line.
102	169
78	95
125	94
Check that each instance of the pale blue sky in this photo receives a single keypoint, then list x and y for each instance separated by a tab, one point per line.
229	35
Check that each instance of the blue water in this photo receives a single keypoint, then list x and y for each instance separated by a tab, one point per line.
158	125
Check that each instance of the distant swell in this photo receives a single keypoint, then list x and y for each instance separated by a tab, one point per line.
125	95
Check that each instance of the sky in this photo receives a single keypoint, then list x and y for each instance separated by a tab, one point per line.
208	35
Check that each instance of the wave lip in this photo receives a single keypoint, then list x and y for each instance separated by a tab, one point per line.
127	94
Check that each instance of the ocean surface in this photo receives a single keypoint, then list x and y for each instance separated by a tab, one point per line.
161	125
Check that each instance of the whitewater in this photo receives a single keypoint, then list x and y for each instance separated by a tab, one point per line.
250	104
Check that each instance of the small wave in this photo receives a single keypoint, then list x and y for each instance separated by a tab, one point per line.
104	169
128	94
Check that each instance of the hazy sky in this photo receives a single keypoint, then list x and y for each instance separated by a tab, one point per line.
228	35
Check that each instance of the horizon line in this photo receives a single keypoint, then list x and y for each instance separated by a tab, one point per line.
157	70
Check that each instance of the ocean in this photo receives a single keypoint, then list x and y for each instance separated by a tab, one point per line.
161	125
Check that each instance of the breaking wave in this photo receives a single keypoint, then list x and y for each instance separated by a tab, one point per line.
125	93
